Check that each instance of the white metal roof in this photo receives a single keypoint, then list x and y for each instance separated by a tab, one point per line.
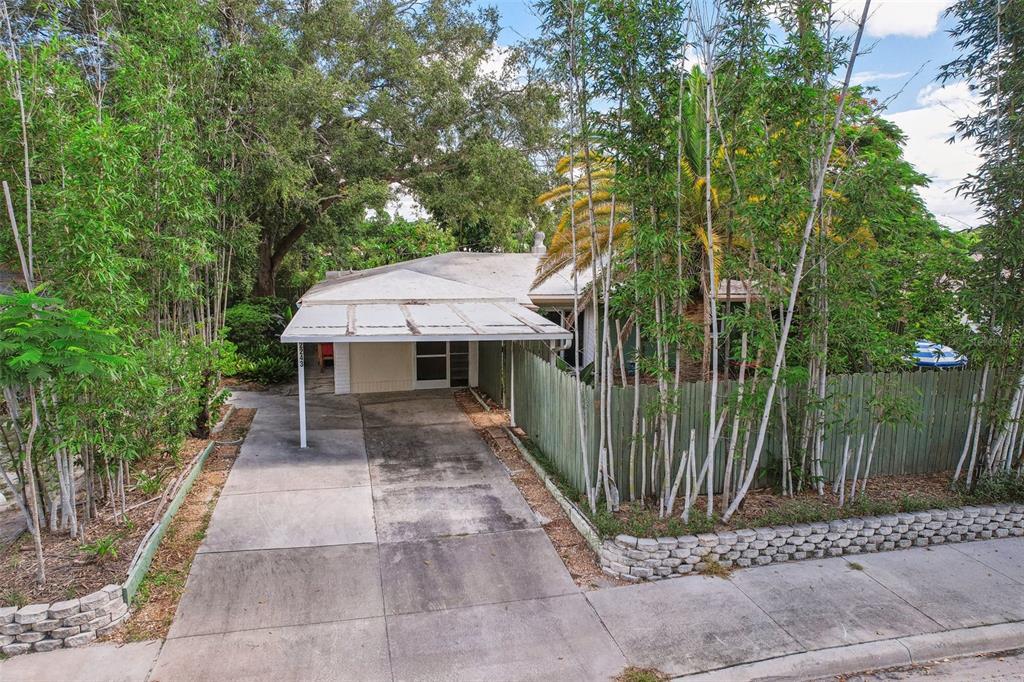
508	275
396	285
420	321
396	304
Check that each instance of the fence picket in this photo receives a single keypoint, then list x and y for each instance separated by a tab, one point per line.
545	400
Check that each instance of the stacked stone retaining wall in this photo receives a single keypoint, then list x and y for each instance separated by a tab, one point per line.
71	623
635	559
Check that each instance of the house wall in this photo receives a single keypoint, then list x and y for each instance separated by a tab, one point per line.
342	368
377	367
380	367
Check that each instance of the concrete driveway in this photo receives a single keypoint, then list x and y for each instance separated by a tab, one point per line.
394	547
397	548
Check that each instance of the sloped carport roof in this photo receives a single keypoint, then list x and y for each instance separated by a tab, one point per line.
406	305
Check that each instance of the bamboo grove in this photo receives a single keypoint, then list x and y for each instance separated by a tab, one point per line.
731	207
168	162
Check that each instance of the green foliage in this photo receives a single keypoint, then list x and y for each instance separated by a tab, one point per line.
41	339
642	522
383	241
149	483
1001	487
102	548
255	329
252	324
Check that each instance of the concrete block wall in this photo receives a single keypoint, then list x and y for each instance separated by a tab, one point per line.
71	623
636	559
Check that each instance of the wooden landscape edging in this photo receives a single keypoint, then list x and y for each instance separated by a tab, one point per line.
144	555
576	516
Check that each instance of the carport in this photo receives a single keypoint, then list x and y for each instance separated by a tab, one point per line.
403	330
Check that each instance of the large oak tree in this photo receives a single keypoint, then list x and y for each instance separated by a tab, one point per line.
333	105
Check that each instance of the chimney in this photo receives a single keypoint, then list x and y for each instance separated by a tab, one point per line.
538	244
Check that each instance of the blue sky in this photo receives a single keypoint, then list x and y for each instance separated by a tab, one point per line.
906	43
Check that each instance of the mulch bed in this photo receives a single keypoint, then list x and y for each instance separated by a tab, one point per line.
765	506
576	554
72	572
158	596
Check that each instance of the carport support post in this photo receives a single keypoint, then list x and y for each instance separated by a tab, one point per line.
302	395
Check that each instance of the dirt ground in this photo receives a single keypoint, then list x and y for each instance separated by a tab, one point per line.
72	571
157	599
579	559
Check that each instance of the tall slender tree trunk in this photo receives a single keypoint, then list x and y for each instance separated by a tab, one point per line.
780	354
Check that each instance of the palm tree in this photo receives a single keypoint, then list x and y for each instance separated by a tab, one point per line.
590	184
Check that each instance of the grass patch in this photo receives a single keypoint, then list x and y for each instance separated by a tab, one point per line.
998	489
792	512
641	522
174	579
632	674
14	598
714	569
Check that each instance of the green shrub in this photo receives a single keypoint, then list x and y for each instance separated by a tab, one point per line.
103	548
149	483
252	324
1001	487
254	328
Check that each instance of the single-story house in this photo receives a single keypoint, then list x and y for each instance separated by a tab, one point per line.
419	324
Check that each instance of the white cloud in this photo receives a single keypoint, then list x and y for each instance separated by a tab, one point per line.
404	205
914	18
871	77
928	127
493	63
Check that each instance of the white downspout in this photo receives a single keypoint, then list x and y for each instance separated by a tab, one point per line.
302	395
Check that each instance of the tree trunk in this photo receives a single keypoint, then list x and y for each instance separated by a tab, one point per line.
266	270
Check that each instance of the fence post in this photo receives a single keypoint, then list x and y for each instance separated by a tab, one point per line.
512	386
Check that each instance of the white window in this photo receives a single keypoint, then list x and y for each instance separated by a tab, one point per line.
442	364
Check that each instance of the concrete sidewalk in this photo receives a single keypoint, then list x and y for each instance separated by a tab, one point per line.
829	606
397	548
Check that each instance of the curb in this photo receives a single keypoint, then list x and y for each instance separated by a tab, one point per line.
576	516
887	653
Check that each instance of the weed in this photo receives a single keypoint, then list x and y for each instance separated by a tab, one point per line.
641	675
1002	487
714	569
103	548
149	484
14	598
607	525
855	566
916	503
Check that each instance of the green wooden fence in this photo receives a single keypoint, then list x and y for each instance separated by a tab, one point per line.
928	439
